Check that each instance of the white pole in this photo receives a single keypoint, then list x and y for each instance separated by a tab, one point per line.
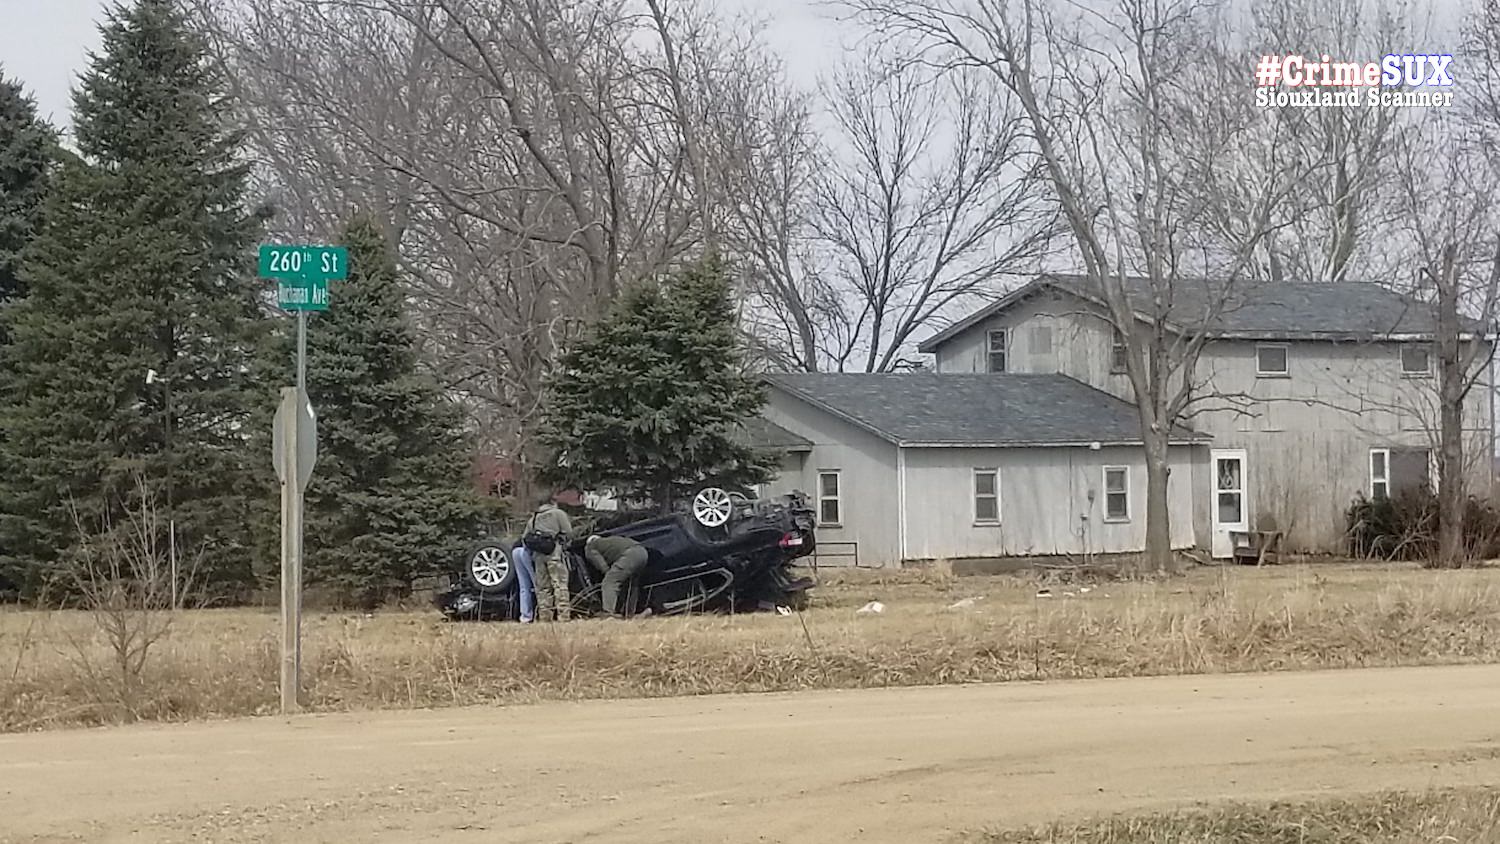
291	560
291	534
302	355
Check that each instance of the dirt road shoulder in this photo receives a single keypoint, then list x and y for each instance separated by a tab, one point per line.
914	764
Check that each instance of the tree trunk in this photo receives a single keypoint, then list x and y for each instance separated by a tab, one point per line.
664	498
1450	419
1158	514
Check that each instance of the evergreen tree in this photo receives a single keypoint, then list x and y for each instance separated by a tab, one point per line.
649	401
28	149
141	262
389	499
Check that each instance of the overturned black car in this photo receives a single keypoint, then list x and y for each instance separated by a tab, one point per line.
730	554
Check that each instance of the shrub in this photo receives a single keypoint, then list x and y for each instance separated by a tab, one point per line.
1404	527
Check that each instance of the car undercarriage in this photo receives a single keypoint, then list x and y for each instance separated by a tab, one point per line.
727	553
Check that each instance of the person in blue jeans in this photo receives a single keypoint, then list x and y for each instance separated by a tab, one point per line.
525	577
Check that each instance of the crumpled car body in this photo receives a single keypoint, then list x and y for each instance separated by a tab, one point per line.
742	564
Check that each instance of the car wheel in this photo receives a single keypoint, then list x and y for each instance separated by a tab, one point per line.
488	568
712	507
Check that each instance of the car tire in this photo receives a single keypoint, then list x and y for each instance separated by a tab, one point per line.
488	568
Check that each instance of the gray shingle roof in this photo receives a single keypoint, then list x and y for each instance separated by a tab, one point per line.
1349	310
966	409
761	432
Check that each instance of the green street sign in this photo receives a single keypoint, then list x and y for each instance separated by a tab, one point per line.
304	263
300	295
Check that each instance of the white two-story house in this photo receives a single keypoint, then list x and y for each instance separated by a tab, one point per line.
1024	441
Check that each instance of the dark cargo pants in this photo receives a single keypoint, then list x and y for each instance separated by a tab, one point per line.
630	564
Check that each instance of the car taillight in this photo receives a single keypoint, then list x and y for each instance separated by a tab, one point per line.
789	540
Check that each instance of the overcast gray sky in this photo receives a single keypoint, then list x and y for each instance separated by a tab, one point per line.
44	43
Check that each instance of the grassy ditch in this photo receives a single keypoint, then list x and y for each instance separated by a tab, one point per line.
57	669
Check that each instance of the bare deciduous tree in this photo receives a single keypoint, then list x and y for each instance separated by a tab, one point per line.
1332	228
1448	188
533	157
1165	195
929	201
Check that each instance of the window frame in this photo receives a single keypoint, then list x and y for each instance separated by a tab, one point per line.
1426	349
1286	361
1118	353
1385	479
837	498
975	496
1124	490
989	350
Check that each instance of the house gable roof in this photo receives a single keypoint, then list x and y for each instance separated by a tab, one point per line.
1001	410
1349	310
760	432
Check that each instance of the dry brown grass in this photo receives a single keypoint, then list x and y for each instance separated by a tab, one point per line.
222	663
1465	816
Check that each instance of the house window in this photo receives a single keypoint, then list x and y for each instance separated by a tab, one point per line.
1116	493
1270	360
1416	359
830	506
1396	470
998	343
1380	473
1117	353
987	496
1041	340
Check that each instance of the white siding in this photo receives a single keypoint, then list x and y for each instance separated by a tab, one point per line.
867	469
788	477
1307	436
1081	343
1045	508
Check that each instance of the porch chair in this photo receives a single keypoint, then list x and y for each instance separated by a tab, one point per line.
1256	546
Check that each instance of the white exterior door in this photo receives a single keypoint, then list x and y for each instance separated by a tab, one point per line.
1230	506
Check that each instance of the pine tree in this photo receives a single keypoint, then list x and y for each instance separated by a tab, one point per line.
142	262
389	498
649	400
28	151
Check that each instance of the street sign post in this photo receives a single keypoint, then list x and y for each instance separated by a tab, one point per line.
293	446
302	274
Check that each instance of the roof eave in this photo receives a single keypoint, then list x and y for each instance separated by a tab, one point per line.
1201	439
833	411
1344	336
931	344
1140	316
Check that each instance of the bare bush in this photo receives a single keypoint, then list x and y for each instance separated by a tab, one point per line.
124	577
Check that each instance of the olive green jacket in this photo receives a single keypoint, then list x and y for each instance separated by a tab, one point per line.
604	551
552	521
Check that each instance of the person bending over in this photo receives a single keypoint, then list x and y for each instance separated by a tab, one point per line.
620	558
